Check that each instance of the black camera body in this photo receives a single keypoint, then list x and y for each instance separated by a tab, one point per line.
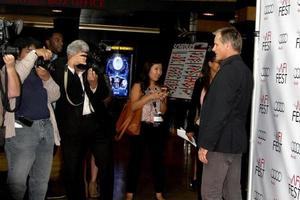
46	64
91	62
6	29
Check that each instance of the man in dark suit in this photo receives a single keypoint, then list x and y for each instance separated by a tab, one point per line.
222	132
82	121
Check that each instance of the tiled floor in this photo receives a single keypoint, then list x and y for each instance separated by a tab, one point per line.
178	161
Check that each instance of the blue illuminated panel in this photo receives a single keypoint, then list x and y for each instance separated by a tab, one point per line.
118	69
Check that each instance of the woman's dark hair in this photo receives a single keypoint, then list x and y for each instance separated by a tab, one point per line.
23	42
144	77
210	56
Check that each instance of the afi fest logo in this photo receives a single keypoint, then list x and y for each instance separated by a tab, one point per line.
284	7
295	148
265	73
260	167
276	176
258	195
281	74
277	142
261	136
267	40
296	112
296	75
294	186
282	40
264	104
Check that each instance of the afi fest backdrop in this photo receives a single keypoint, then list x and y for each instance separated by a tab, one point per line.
274	171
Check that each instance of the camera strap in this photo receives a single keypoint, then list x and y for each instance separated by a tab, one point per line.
66	86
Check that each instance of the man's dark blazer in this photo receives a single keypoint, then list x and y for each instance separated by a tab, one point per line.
68	115
225	107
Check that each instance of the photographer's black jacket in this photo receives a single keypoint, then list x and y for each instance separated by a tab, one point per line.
67	115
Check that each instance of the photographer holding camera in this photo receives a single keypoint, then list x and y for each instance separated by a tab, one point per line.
82	119
31	130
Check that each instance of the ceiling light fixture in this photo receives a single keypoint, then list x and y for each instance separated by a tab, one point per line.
208	14
57	11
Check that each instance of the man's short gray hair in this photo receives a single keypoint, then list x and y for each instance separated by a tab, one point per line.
77	46
231	34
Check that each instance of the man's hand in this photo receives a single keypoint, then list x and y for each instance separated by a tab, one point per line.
92	78
45	53
79	58
42	73
202	155
9	61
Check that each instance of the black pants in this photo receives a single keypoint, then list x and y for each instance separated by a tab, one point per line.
154	138
76	141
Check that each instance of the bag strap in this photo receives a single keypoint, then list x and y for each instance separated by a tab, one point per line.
124	126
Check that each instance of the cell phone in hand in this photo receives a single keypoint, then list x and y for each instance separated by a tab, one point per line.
163	89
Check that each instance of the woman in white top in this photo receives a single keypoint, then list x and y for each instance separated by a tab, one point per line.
148	95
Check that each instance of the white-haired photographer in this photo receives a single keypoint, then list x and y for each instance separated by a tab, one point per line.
83	121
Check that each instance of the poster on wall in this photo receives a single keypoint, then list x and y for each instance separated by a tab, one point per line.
184	68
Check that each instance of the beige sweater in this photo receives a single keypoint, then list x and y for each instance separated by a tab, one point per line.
23	68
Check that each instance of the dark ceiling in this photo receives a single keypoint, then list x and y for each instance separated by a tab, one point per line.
148	13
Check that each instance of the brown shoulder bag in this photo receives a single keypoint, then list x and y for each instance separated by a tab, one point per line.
129	122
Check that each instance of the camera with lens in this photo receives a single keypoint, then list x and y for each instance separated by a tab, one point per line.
91	62
8	29
46	64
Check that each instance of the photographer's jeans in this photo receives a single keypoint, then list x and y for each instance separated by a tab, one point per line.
30	152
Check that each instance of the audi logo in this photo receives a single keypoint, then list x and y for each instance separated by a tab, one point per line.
265	71
295	147
261	135
279	106
269	9
276	175
297	71
283	38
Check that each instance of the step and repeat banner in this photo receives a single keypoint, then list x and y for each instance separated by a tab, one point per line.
275	144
